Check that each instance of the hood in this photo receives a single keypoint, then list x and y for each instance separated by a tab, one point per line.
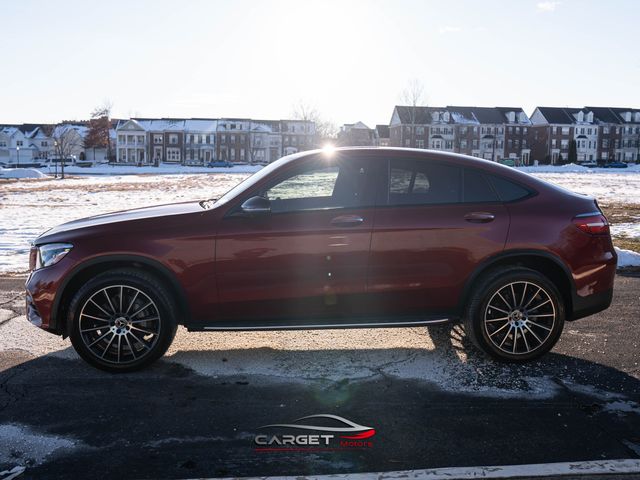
123	216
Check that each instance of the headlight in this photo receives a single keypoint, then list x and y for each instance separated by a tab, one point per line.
51	253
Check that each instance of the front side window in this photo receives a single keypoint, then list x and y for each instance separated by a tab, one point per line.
319	185
415	182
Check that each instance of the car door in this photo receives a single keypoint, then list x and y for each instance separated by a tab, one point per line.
308	257
430	235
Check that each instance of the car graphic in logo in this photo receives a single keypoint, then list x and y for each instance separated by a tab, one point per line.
360	430
347	434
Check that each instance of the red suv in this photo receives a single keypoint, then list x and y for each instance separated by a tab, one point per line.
355	237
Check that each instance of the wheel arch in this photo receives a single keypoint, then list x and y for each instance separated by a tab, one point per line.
543	262
86	270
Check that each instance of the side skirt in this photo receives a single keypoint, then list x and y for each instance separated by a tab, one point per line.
314	325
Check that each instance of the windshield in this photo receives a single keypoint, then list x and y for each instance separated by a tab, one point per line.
250	181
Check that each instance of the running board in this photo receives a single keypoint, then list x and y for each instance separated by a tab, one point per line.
314	326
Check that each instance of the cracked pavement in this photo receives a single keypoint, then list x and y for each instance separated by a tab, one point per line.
432	399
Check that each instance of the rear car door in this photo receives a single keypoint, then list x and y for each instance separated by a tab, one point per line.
308	257
436	223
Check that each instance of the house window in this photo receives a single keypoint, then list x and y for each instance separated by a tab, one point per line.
19	143
140	139
121	139
242	154
420	131
173	154
420	143
157	139
44	144
173	140
565	130
233	139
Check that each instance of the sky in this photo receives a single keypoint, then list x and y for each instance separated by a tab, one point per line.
348	59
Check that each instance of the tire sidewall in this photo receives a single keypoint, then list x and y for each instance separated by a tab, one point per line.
150	287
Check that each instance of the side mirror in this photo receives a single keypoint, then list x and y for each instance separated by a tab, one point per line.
256	206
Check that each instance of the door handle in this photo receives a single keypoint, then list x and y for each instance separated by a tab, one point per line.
479	217
347	220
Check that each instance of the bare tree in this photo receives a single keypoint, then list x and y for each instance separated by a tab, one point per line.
413	97
325	129
66	141
100	127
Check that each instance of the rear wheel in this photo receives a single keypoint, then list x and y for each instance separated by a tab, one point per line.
515	315
122	320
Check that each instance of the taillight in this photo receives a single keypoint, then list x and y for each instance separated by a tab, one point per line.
592	223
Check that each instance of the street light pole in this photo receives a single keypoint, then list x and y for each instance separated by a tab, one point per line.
55	163
18	150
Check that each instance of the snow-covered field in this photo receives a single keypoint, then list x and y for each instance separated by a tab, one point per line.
30	206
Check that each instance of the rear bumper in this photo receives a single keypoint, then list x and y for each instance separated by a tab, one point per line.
594	303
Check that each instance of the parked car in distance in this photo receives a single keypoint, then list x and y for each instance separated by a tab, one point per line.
220	163
616	165
508	162
350	238
589	165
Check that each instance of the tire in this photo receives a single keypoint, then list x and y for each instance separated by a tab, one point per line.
122	320
515	325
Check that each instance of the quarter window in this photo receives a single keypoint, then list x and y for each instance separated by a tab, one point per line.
477	188
508	191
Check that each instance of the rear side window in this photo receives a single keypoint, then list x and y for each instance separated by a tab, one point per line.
415	182
508	191
477	188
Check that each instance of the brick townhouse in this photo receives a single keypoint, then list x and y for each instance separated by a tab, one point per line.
600	134
198	141
492	133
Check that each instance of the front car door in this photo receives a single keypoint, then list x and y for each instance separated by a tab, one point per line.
307	258
436	223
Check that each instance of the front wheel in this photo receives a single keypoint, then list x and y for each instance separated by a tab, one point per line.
515	315
122	320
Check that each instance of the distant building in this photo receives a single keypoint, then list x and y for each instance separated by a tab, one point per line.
198	141
24	143
600	134
492	133
382	136
356	135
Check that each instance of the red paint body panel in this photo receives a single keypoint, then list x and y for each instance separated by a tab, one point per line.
398	260
421	256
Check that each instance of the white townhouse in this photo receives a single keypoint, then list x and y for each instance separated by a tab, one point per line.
24	144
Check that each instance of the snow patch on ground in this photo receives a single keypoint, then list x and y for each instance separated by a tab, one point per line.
20	173
627	258
22	445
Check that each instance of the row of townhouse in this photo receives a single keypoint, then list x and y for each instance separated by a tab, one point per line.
198	141
492	133
26	144
601	134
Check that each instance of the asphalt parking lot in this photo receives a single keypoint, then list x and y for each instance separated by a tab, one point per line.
432	399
